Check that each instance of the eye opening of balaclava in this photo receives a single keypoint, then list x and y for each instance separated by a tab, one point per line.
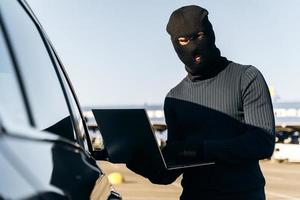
200	54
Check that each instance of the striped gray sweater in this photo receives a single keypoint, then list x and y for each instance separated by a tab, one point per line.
231	115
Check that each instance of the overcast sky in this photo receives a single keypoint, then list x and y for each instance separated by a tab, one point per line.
118	52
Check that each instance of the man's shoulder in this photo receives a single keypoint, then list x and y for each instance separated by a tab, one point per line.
239	68
246	70
248	75
242	71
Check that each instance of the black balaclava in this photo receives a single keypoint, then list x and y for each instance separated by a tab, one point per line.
187	22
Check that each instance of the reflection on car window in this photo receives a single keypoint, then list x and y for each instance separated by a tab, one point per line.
11	102
46	99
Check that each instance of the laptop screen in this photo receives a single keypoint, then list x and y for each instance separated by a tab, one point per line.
126	132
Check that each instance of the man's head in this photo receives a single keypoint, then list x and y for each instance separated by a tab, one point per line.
193	39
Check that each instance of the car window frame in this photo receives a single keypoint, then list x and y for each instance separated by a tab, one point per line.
74	96
58	64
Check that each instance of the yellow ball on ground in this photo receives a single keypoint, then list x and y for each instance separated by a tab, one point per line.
115	178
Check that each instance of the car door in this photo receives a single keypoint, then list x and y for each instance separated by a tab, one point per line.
58	165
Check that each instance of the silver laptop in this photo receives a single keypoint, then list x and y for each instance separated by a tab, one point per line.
127	130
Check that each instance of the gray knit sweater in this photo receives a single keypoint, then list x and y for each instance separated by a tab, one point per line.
231	116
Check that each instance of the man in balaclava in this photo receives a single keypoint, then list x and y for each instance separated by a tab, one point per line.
193	38
220	112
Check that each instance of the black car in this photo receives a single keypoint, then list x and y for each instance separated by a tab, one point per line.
45	148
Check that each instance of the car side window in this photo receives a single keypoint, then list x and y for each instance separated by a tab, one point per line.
11	102
46	99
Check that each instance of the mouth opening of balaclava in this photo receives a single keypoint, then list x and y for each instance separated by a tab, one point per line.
200	55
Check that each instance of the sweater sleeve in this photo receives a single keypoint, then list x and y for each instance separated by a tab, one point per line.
258	140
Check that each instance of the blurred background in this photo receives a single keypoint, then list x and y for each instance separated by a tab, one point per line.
118	54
